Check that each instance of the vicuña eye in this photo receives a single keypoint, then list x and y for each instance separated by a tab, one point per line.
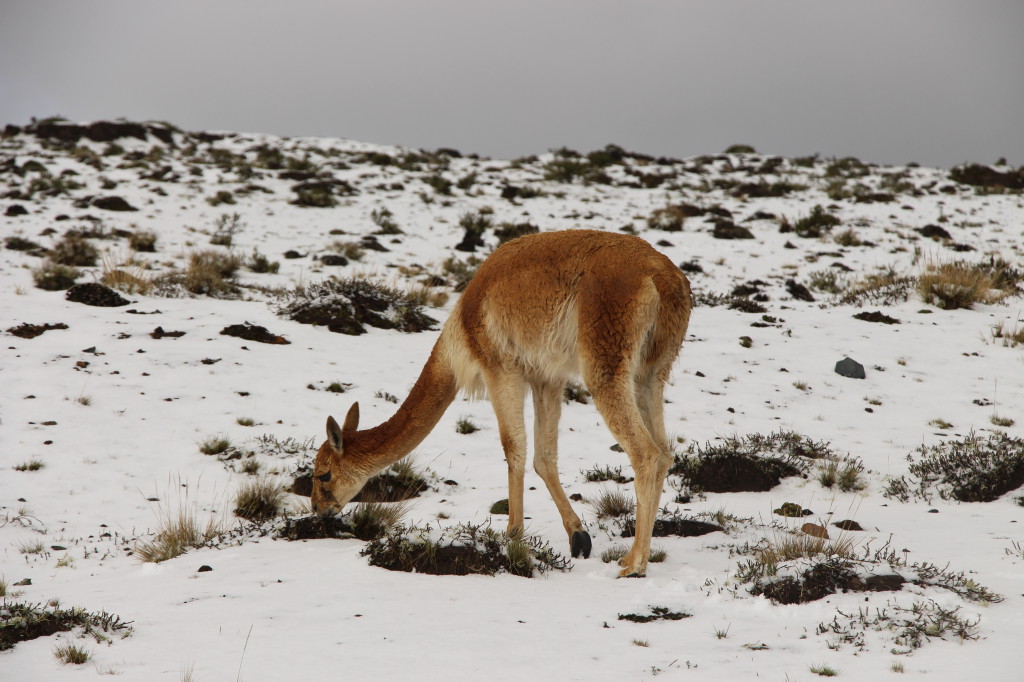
324	478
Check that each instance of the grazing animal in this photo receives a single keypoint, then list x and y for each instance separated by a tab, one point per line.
542	309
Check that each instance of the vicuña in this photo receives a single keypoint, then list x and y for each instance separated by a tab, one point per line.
542	309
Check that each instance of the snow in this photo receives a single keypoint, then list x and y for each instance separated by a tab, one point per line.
276	610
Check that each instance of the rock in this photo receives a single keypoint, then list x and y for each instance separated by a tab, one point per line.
95	294
205	568
934	232
847	524
333	259
850	368
815	530
113	203
253	332
792	510
726	229
15	210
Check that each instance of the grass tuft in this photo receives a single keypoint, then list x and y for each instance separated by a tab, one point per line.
72	654
259	499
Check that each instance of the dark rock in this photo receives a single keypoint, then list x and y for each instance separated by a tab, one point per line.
291	254
159	333
877	316
95	294
691	267
253	332
15	210
333	259
847	524
113	203
934	232
850	368
204	569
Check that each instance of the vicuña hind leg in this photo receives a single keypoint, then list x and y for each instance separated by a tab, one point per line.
547	403
650	465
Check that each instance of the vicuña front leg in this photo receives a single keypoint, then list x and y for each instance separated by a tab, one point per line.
507	393
547	403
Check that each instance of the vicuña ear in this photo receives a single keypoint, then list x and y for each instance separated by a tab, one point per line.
351	420
334	435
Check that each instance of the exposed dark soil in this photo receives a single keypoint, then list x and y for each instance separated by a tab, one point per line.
666	526
159	333
253	332
31	331
824	579
876	316
95	294
316	528
348	306
734	473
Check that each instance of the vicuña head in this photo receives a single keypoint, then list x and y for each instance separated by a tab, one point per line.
541	310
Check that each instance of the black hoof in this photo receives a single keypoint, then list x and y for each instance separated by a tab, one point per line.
581	544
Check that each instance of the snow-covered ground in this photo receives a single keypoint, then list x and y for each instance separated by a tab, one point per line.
116	417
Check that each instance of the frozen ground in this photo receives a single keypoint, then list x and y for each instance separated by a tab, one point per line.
115	416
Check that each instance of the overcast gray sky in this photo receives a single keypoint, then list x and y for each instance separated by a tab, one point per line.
890	81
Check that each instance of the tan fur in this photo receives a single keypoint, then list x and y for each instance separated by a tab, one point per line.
540	310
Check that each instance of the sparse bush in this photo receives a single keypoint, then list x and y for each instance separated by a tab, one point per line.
816	224
384	219
462	550
143	240
22	622
227	226
209	273
668	219
474	224
506	232
882	288
74	249
221	197
346	305
52	276
21	244
465	425
602	474
845	474
973	469
261	264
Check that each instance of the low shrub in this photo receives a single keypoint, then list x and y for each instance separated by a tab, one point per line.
347	306
463	550
972	469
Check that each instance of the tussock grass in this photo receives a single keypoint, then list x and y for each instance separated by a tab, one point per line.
74	249
215	445
178	530
51	276
72	654
844	474
372	520
1010	336
34	464
613	504
955	285
259	499
125	274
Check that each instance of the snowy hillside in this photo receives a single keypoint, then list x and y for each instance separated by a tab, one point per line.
913	273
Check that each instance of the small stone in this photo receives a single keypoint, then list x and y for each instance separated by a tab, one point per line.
815	530
850	368
205	569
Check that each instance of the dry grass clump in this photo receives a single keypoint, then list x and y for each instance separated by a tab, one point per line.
51	276
259	499
613	504
957	284
128	275
847	475
177	533
73	654
1011	337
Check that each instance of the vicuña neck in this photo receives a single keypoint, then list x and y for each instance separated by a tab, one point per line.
433	392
